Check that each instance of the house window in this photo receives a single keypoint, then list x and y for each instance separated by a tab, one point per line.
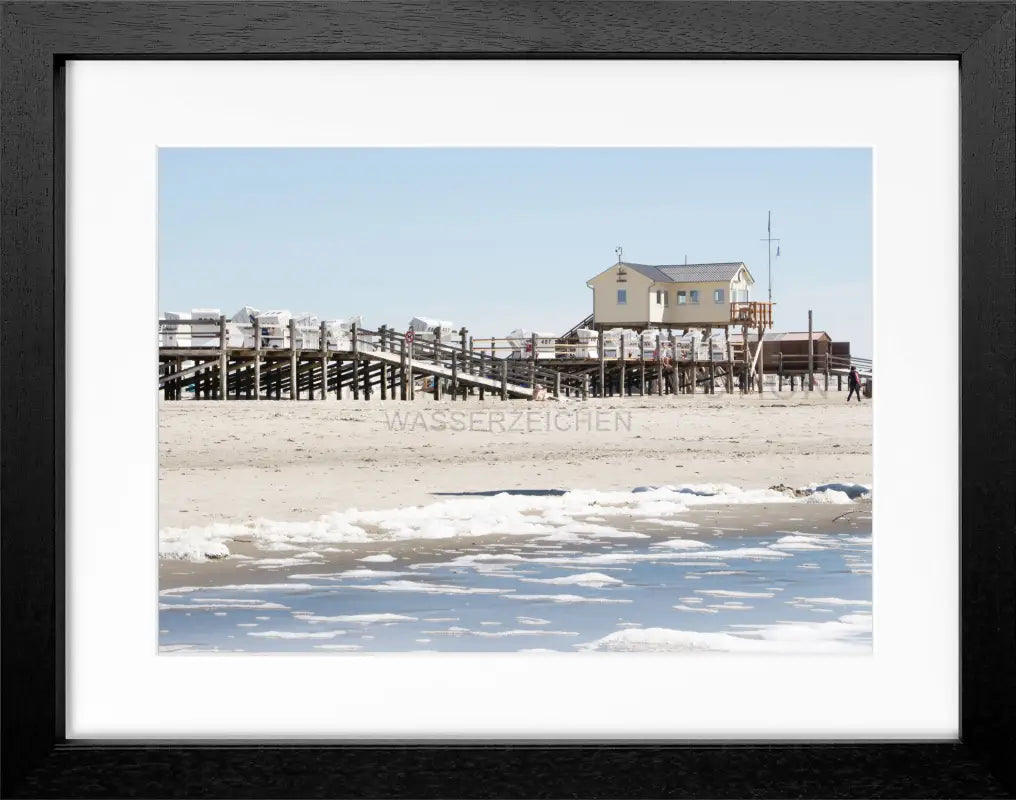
666	298
694	296
682	297
659	298
622	297
718	296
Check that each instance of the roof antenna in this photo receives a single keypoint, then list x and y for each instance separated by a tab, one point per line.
618	251
686	259
769	241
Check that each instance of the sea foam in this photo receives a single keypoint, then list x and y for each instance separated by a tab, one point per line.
555	515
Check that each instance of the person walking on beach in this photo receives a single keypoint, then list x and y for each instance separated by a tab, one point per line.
854	384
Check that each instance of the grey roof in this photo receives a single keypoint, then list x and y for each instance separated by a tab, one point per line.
687	273
796	336
782	336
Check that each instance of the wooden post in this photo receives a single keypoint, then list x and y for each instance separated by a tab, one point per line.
470	367
603	366
355	338
324	361
338	378
366	378
747	360
294	392
811	356
642	366
779	374
483	368
393	376
532	366
585	387
402	360
455	375
730	362
827	371
223	360
791	381
839	382
257	358
672	382
557	384
659	363
504	378
712	364
761	357
383	331
621	356
437	360
693	364
412	380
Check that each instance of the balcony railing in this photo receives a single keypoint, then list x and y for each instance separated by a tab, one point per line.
752	315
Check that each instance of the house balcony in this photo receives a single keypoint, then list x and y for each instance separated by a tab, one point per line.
752	315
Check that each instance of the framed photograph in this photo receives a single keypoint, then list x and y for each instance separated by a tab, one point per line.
449	400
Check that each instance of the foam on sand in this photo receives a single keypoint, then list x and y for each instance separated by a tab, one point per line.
696	609
349	573
673	523
848	634
525	632
683	544
800	542
593	580
243	587
294	561
296	634
360	619
549	515
564	598
219	606
427	588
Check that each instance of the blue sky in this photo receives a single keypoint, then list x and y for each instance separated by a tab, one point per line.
501	238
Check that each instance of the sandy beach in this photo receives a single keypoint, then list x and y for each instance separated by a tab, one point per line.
284	460
328	526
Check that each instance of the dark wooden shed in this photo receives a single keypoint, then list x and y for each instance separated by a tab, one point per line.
793	346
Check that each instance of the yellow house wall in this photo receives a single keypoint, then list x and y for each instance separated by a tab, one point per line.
606	310
705	312
656	310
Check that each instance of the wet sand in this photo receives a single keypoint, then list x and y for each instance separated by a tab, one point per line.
243	567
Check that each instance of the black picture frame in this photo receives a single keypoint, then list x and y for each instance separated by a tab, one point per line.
36	41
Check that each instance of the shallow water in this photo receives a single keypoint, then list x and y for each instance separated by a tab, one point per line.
759	590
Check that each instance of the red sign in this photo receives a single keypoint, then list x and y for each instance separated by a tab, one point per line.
409	337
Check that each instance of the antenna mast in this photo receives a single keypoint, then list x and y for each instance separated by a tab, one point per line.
769	240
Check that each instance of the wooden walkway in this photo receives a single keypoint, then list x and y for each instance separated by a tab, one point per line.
391	364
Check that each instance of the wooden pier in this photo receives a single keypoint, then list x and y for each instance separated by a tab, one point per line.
396	365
